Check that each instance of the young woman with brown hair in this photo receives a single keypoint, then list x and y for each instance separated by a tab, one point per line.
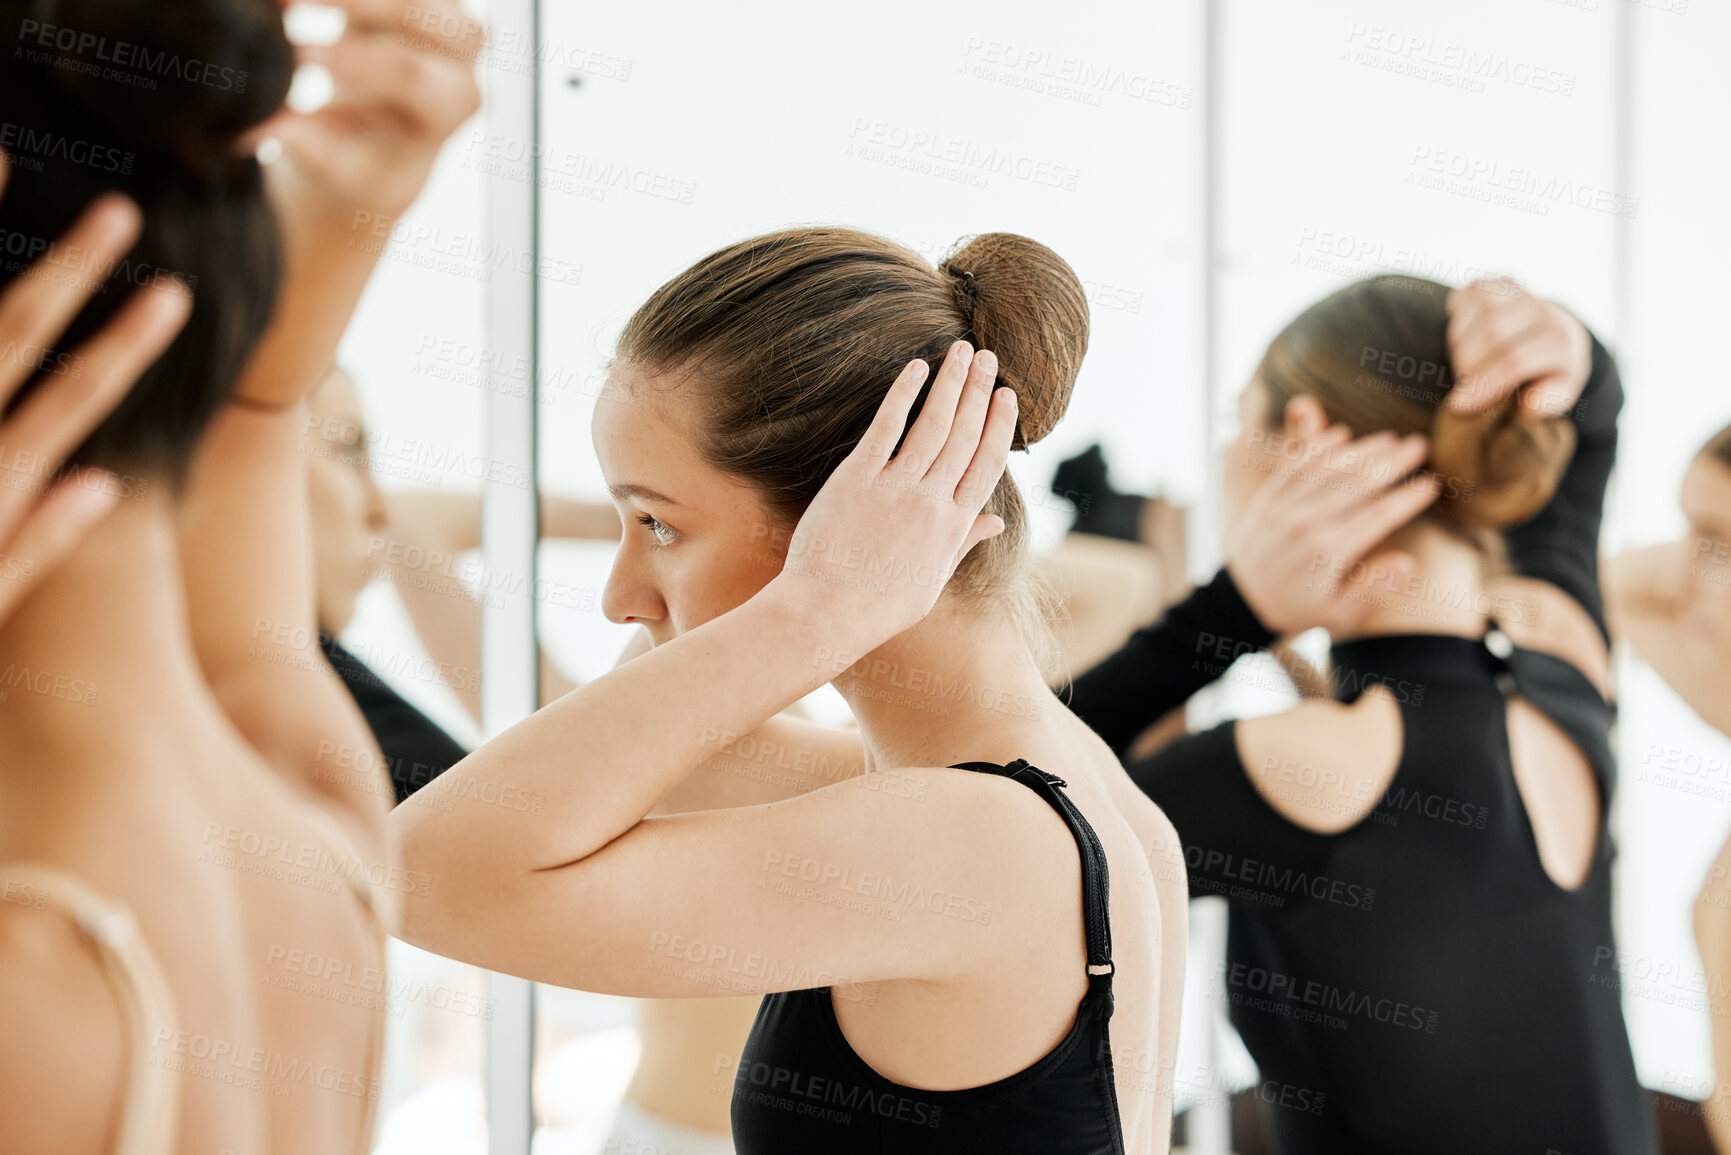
1419	871
940	947
170	837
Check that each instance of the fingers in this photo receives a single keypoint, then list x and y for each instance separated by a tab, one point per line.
1361	530
39	304
52	529
932	428
1505	356
970	419
424	24
881	436
1333	482
993	453
370	72
1552	395
64	409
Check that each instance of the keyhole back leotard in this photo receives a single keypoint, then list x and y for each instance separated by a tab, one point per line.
802	1089
1418	983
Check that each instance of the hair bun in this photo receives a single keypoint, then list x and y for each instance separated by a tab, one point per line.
1498	467
1028	307
181	78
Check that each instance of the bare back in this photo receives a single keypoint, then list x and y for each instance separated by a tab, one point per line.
248	898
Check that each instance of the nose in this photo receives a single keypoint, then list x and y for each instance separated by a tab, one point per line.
630	594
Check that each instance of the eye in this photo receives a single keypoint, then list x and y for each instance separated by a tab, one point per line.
665	535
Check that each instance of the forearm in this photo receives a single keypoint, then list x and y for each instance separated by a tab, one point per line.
594	763
1162	664
320	292
246	546
568	518
1560	544
450	523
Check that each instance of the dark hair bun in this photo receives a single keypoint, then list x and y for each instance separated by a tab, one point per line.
179	79
1499	467
1028	307
147	97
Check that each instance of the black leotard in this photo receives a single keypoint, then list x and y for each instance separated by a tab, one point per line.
1417	982
1420	974
802	1090
416	749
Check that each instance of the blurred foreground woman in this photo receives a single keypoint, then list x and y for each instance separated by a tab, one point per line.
174	841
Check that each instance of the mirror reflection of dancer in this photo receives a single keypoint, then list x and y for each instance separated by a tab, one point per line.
936	937
1452	798
677	1101
1672	604
360	532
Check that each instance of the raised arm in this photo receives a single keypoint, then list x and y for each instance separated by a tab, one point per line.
598	760
245	537
1501	339
1642	589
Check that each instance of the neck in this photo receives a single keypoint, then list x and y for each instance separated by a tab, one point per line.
1444	594
951	689
99	652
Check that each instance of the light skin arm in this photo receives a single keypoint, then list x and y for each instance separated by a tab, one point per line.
1641	598
1713	939
502	882
245	534
451	522
446	615
783	758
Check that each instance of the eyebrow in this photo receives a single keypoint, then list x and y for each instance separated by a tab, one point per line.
623	492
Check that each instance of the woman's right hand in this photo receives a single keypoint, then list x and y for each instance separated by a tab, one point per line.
1297	550
883	535
41	518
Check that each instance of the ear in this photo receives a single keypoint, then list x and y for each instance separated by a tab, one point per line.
1305	417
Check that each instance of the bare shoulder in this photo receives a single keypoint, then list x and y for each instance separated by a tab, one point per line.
1538	616
1324	765
982	813
62	1066
1001	836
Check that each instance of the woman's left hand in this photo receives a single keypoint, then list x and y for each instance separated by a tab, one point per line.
1502	338
403	72
404	78
882	537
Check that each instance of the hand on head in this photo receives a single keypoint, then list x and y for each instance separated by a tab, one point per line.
1501	338
1298	548
884	534
1304	550
404	78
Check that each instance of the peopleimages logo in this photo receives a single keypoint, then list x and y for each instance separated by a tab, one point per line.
125	57
832	1099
